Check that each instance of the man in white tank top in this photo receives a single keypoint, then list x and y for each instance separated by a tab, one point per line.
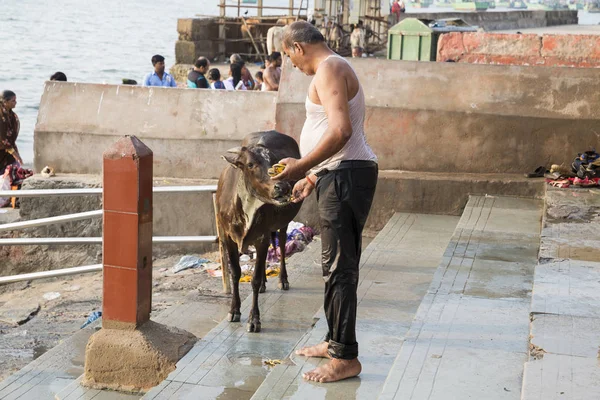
340	165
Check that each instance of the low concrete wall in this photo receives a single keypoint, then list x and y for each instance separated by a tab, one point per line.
449	117
188	129
518	49
502	20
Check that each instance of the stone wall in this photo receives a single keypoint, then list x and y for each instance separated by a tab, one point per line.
465	118
188	129
504	20
520	49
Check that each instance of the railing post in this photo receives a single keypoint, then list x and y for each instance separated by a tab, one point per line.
127	234
130	352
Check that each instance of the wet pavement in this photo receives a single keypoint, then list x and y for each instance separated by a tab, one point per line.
396	270
469	339
499	306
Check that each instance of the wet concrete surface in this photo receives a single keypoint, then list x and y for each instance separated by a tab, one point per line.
396	270
469	338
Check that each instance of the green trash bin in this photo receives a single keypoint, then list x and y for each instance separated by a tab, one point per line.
414	39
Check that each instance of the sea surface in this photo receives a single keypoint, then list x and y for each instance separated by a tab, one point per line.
94	41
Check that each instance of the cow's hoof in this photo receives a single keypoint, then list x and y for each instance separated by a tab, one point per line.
284	286
235	317
253	327
263	288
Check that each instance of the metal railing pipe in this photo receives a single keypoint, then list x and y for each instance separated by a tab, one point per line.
51	274
50	220
98	191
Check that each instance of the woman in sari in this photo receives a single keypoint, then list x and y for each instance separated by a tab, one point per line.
9	131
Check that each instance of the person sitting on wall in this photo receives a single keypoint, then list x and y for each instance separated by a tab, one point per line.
58	76
235	82
215	77
159	77
272	73
196	78
246	75
9	131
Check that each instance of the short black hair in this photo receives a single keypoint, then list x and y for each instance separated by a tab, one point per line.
301	32
58	76
214	74
259	75
8	95
275	55
157	58
202	62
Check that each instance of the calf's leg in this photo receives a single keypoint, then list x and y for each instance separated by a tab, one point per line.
283	277
236	272
259	272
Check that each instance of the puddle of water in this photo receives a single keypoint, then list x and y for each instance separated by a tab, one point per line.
39	350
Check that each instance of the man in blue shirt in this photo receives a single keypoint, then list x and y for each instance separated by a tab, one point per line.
159	77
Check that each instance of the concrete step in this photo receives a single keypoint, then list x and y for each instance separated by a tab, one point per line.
396	270
469	339
228	363
565	309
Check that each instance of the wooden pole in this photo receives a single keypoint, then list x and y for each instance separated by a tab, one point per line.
259	9
299	9
222	253
258	53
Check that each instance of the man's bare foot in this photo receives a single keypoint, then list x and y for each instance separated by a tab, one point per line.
336	370
319	350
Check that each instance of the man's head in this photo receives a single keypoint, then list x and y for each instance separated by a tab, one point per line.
159	63
236	59
202	65
9	98
58	76
276	57
301	41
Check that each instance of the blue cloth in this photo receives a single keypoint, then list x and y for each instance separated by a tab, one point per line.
152	79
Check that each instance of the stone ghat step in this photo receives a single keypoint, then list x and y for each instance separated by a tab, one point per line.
396	270
565	308
469	338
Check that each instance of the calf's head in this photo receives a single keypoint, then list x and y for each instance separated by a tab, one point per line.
254	163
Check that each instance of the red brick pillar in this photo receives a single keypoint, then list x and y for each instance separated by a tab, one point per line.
127	234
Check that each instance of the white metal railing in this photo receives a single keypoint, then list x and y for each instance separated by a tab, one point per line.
98	191
78	217
98	240
51	274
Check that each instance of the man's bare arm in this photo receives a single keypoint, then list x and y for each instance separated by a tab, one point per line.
332	89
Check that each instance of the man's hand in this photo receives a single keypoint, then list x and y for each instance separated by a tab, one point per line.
293	170
302	189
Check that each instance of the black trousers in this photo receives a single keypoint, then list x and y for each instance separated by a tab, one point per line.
344	197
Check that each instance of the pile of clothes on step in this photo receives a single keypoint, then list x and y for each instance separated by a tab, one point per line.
298	236
11	179
584	171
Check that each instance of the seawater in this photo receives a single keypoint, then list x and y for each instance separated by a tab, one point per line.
93	41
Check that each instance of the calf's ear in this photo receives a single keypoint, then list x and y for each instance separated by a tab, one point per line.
233	156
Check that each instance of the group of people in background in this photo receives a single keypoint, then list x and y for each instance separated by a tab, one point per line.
202	76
